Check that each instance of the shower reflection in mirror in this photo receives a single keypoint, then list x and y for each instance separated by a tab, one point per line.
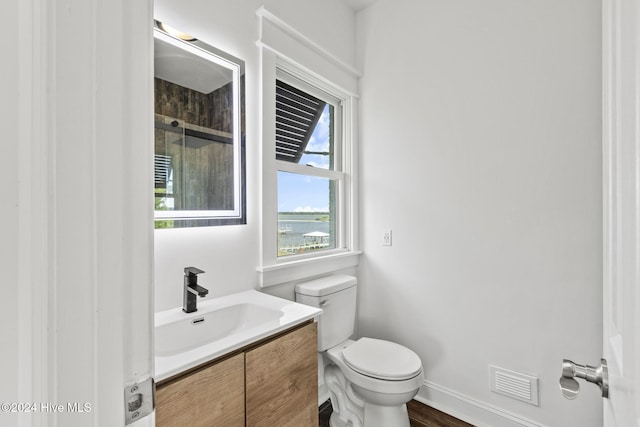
199	133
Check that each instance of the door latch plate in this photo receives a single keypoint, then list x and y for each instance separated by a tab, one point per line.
139	400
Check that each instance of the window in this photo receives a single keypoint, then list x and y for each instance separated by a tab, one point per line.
309	173
310	169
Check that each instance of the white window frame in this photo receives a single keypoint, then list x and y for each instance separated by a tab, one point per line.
276	270
337	174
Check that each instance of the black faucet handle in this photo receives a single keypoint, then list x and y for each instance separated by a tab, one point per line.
192	271
198	290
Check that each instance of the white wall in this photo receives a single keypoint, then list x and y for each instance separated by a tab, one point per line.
480	148
230	254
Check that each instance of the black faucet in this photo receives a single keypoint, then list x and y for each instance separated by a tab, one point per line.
191	289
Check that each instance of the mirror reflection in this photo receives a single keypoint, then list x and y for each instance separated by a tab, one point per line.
199	137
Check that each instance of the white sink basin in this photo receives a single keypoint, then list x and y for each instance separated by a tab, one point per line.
221	325
191	332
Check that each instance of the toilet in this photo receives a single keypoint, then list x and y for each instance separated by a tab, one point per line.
369	380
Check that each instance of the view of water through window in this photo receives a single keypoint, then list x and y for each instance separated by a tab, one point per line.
305	220
306	203
304	232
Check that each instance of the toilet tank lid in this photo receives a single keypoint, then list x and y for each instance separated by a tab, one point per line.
326	285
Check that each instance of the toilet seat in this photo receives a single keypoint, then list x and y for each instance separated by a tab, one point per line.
382	359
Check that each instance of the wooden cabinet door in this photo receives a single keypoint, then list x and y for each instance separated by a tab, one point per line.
282	381
211	396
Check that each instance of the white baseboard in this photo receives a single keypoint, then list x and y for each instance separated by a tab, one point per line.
465	408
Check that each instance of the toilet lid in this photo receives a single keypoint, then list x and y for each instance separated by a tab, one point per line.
382	359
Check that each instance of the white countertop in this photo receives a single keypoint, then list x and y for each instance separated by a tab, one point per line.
291	314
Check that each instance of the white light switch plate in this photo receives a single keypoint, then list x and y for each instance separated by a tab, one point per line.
386	238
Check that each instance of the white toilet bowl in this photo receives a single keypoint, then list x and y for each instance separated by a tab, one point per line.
379	378
369	380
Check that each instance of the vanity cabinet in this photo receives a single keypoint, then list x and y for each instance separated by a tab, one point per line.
270	383
210	396
282	380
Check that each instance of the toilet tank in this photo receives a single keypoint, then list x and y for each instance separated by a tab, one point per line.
336	296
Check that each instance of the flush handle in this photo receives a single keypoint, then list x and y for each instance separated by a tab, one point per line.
594	374
324	303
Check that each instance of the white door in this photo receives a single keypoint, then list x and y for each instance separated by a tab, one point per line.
621	220
621	243
79	254
98	59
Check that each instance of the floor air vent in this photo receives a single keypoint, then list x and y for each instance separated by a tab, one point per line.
514	384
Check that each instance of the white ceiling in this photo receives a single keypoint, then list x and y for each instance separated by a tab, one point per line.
359	4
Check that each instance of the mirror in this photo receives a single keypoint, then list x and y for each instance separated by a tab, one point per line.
199	133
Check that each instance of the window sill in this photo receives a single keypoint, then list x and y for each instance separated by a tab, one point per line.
271	275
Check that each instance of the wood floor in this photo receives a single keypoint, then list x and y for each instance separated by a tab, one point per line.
420	415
